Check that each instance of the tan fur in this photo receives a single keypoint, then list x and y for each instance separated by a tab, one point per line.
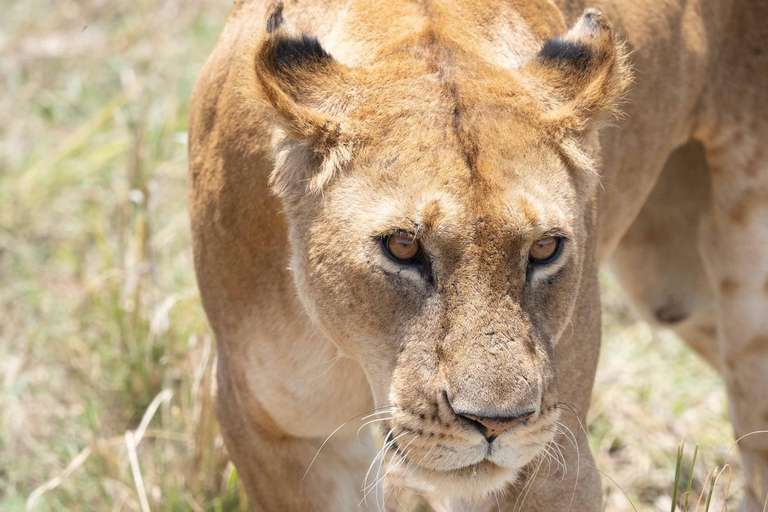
658	261
445	121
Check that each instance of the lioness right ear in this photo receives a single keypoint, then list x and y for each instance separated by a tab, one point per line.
580	76
305	87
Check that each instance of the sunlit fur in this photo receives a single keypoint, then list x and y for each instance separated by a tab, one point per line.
319	128
481	327
476	328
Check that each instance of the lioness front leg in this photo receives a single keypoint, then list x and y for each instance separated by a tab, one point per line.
293	469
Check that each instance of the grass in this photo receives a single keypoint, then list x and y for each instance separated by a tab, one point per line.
98	303
651	393
99	312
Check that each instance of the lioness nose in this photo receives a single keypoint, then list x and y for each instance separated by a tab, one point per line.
491	427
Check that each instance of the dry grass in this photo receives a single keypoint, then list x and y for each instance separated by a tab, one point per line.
99	307
99	311
651	393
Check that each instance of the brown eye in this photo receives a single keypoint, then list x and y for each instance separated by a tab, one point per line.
402	248
544	250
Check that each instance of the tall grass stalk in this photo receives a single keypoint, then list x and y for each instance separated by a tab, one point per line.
679	463
690	478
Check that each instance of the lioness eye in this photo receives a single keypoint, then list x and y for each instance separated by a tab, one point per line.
544	250
402	248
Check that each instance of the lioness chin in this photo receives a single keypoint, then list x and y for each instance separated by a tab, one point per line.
397	213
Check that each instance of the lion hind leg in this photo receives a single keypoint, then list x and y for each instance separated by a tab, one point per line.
658	261
735	250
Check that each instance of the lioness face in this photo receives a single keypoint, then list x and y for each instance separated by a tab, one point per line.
438	231
450	283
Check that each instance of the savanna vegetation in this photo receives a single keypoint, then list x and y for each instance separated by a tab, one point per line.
106	360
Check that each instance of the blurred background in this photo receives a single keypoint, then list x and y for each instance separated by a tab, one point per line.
100	321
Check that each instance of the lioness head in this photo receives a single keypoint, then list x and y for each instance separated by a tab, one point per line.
438	210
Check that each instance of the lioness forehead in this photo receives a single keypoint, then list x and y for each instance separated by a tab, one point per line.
439	196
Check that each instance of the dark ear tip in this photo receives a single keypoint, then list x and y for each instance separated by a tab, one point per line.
275	18
284	53
562	52
284	49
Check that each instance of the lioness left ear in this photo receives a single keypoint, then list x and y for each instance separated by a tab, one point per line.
579	77
306	89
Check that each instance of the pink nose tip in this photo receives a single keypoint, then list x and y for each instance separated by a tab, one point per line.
492	427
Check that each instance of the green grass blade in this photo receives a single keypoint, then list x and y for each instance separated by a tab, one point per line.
690	479
711	491
679	462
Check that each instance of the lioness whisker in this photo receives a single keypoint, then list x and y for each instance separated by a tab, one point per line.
528	484
384	409
404	456
557	446
427	455
367	473
370	423
569	407
382	454
555	458
575	444
528	472
498	505
332	433
548	456
400	454
396	485
321	447
366	488
330	364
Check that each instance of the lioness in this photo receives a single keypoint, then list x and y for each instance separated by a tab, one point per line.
398	210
